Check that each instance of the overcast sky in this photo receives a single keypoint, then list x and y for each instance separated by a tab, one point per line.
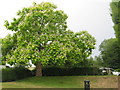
90	15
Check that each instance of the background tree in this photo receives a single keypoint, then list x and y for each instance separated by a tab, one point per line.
98	61
115	13
110	52
41	37
88	62
0	50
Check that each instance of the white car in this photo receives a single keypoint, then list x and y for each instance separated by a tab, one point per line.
116	73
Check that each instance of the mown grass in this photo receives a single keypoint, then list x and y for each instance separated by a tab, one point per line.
64	82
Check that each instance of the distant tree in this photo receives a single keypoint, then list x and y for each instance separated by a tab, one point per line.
88	62
41	37
110	53
0	51
115	13
98	61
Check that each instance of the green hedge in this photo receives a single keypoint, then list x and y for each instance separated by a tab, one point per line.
118	70
8	74
74	71
16	73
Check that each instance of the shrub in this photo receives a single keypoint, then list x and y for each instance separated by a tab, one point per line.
118	70
74	71
51	71
22	72
16	73
8	74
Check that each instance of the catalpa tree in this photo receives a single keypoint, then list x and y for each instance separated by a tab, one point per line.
42	37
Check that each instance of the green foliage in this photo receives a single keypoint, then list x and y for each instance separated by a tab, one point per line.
73	71
9	43
16	73
98	61
115	13
118	70
110	52
22	72
8	74
41	35
85	63
0	51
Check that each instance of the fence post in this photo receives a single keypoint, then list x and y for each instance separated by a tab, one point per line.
86	85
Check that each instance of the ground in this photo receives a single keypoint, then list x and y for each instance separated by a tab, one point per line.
64	82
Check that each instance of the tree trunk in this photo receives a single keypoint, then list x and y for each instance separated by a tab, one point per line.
38	69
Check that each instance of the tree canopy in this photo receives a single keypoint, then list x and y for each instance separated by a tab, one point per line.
0	50
115	13
41	35
110	52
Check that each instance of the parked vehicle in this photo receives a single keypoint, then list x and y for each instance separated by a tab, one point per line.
116	73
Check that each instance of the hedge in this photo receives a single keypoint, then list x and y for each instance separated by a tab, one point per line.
118	70
16	73
74	71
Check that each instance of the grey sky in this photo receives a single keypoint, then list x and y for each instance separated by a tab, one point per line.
90	15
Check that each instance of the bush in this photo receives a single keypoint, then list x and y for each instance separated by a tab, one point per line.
16	73
74	71
8	74
118	70
22	72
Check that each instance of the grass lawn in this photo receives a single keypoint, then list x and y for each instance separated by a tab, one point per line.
64	82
